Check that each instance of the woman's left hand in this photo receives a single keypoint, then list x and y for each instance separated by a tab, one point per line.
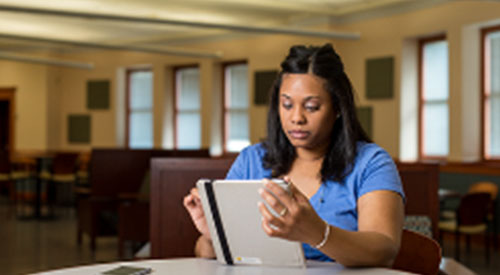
297	220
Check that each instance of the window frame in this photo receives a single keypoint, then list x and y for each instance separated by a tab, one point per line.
225	110
422	101
176	69
485	96
127	102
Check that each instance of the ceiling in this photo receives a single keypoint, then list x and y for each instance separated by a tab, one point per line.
27	25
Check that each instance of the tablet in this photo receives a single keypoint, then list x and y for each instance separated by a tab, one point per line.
234	222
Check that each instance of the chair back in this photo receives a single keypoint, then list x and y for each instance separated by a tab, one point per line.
484	187
418	254
473	209
64	163
4	162
421	183
114	171
172	233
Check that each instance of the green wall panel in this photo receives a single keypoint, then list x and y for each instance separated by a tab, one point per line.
263	82
98	94
365	114
79	128
379	78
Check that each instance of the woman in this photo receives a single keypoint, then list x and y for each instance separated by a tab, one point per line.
346	202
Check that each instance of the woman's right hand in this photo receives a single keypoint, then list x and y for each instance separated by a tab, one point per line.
192	203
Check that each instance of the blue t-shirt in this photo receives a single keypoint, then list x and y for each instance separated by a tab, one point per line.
335	202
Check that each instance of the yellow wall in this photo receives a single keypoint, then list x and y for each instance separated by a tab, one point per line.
261	53
31	120
385	36
65	88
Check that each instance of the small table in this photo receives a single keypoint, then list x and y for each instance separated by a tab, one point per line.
34	165
198	266
450	266
41	161
445	194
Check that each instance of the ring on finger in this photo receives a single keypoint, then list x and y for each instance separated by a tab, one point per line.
283	212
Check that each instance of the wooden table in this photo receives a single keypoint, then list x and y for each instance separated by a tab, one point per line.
445	194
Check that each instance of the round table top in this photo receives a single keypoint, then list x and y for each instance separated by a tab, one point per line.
195	266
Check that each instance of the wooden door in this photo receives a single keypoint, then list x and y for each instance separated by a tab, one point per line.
7	113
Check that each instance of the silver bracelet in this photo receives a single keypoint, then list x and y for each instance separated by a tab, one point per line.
325	237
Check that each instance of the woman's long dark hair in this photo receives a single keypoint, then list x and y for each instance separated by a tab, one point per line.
323	62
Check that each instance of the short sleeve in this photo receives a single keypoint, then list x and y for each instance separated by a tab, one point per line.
238	168
380	173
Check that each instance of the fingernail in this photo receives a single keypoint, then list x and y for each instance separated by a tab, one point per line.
261	191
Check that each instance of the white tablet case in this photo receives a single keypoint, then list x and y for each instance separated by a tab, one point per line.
234	222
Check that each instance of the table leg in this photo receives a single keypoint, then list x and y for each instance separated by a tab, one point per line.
38	194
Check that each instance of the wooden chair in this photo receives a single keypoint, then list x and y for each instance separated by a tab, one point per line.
21	173
63	178
484	187
418	254
470	219
113	172
5	185
492	189
173	234
133	216
133	223
82	171
420	182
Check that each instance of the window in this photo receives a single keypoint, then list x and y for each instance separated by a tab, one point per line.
491	93
140	109
236	134
187	108
434	110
